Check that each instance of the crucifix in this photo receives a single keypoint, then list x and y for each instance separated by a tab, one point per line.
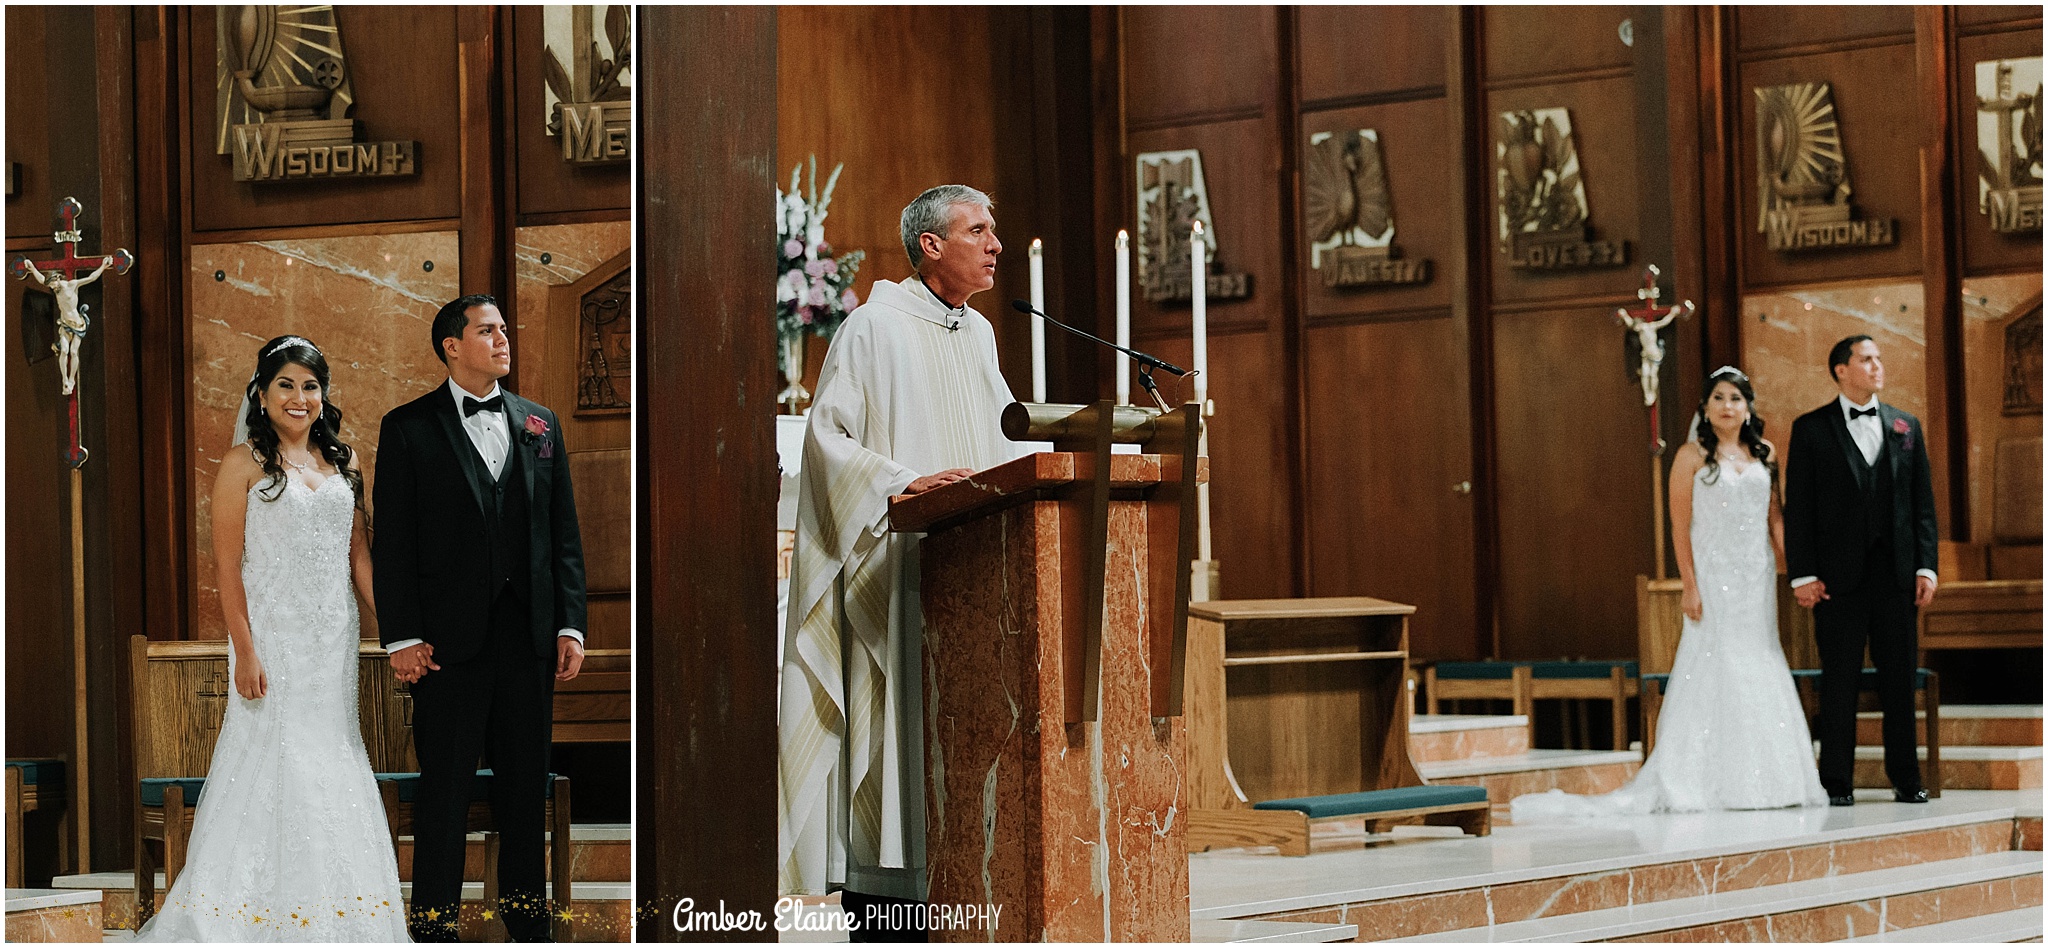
61	277
1645	321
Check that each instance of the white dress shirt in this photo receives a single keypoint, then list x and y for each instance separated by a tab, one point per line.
491	433
1868	433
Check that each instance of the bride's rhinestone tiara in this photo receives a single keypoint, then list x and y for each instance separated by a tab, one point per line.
1727	370
291	341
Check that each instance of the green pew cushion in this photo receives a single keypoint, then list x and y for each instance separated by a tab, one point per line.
43	773
1378	801
1591	669
153	789
479	789
1477	670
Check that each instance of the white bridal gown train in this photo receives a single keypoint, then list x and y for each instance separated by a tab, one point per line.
289	842
1732	734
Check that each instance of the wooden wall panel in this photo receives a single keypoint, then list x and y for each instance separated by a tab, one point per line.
1975	15
1605	132
1186	63
1761	28
1249	460
706	604
1238	162
1985	250
1880	126
28	121
1546	40
1574	485
1390	434
547	184
1421	172
403	64
1350	52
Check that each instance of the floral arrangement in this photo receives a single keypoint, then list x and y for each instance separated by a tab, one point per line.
813	286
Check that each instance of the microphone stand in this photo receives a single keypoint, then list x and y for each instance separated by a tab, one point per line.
1146	361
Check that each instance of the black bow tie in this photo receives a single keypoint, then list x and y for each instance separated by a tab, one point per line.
471	406
1855	413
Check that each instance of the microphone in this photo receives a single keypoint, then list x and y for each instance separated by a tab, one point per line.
1146	361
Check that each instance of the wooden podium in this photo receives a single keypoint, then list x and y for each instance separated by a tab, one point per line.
1054	748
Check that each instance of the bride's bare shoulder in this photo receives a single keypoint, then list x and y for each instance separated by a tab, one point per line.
1689	458
239	467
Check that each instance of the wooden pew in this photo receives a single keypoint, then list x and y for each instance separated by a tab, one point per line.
1304	703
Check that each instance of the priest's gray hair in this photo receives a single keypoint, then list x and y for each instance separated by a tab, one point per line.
932	213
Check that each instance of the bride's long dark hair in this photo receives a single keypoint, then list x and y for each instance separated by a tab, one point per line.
326	434
1751	435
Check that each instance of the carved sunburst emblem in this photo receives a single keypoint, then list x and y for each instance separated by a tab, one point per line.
1799	145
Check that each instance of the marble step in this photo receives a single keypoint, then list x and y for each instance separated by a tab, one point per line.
1964	768
603	852
1534	771
2026	826
2017	725
1438	737
2016	925
1238	932
1820	909
1420	886
54	915
603	910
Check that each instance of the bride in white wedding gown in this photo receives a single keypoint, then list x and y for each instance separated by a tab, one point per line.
1732	734
289	842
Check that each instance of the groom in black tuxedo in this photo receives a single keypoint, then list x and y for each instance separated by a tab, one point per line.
1861	540
479	580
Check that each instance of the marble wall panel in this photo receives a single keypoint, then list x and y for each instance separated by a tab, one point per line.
1989	303
570	251
1079	830
64	924
368	302
1786	337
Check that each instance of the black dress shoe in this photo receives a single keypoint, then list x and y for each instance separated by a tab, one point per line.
1910	796
1847	799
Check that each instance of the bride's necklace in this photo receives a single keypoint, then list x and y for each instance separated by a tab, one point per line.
294	465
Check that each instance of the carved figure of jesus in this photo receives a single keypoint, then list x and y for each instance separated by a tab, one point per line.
1653	348
72	321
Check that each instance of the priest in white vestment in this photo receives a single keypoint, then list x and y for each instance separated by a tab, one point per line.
910	398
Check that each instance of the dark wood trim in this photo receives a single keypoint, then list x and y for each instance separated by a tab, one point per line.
164	217
705	638
1556	78
1113	202
557	218
1470	277
1895	276
1416	314
1970	273
1987	29
1678	46
29	245
1627	278
1293	304
484	217
1196	118
1832	46
1394	97
1720	237
1948	419
1235	327
201	238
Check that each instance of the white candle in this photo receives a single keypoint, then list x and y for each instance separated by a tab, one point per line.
1037	322
1123	316
1198	275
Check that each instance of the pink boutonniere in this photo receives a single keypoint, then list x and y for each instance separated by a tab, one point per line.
537	432
1903	430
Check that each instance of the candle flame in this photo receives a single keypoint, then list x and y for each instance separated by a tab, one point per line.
1198	227
1123	237
1037	246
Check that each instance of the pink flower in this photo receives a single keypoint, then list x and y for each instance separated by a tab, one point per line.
830	266
819	294
804	316
848	301
793	248
816	267
1899	425
536	425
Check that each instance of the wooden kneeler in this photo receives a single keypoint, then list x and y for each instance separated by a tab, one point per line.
1335	668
